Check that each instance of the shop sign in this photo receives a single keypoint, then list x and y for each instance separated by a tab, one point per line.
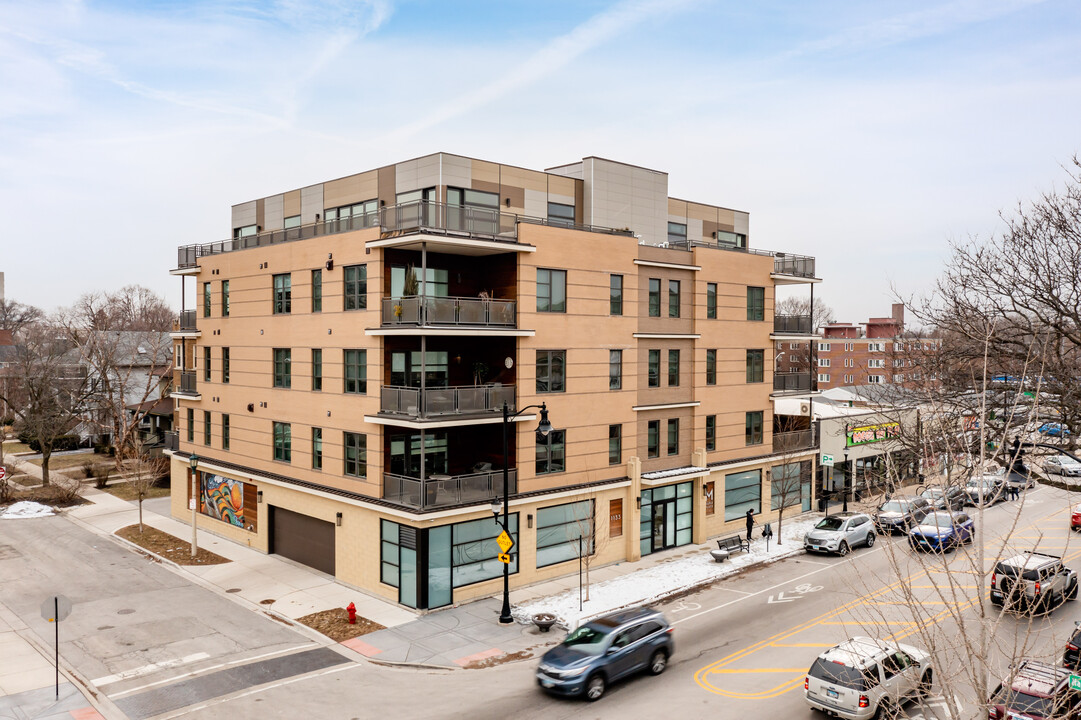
872	434
710	507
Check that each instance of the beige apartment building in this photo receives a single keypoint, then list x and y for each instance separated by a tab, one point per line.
351	351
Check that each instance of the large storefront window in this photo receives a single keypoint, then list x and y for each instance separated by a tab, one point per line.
667	517
742	491
563	531
786	490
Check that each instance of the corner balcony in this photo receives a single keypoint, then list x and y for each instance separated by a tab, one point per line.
443	403
185	325
448	316
791	269
187	387
442	491
792	327
792	382
796	441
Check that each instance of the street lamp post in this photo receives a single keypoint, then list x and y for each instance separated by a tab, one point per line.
194	462
848	484
544	428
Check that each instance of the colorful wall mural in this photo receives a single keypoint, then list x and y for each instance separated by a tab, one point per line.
223	499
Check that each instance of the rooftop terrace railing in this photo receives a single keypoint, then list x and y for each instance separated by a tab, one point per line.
783	263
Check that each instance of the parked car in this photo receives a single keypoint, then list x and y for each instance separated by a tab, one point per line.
1035	690
864	677
1061	465
900	514
605	650
942	530
985	490
1075	517
1071	657
839	533
1054	429
1032	581
944	498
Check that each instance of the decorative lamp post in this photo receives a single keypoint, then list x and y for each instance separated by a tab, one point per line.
544	428
848	484
194	462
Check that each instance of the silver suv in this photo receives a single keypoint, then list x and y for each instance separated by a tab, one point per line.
839	533
863	678
1032	581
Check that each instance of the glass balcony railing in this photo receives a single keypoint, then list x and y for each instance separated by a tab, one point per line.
418	310
792	324
436	491
793	441
791	382
187	384
439	402
186	322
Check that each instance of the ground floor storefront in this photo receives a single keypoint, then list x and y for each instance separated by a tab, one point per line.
436	559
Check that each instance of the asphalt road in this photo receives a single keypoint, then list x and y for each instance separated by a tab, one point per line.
742	645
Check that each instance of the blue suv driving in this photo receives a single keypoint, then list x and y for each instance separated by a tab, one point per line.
605	650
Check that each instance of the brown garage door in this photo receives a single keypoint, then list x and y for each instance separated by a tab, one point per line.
302	538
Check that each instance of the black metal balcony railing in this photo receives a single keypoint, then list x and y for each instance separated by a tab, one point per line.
187	383
797	265
792	324
418	216
438	402
791	382
792	441
187	320
446	490
170	440
425	311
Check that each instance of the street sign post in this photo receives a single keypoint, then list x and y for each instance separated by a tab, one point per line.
504	542
3	472
504	558
827	460
54	609
1075	682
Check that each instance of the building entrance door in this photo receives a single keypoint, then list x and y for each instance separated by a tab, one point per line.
664	524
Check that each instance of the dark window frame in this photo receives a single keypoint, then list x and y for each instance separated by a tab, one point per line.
653	368
550	279
711	367
357	444
754	433
317	369
711	301
615	452
615	294
756	366
756	303
355	371
282	367
674	298
615	369
282	293
554	448
673	436
711	432
653	439
673	367
317	290
654	294
317	448
282	438
355	290
546	377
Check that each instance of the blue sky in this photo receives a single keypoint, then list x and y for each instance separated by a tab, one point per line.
865	134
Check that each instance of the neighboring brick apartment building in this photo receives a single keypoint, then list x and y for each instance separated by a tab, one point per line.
342	375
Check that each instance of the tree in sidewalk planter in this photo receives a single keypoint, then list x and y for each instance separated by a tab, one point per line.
142	474
789	476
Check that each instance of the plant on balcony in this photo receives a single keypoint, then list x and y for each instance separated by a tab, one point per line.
480	372
411	286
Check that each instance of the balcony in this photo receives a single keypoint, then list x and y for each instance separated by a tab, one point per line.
421	311
442	219
795	441
440	491
187	385
791	382
443	402
799	266
792	325
170	441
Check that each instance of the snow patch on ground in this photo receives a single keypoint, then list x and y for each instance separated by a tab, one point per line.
27	509
653	584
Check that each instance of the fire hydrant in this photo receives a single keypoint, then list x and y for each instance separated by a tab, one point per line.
352	610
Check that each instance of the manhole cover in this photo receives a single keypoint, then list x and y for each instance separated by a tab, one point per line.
233	590
268	601
125	611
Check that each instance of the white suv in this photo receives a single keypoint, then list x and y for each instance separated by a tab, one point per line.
863	678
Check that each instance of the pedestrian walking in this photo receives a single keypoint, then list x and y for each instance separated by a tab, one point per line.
750	524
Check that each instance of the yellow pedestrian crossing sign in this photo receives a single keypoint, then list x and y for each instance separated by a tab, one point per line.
504	558
505	543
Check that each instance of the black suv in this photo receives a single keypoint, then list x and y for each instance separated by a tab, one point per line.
1032	581
1071	658
1038	690
901	514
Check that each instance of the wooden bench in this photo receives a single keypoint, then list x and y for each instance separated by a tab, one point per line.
732	543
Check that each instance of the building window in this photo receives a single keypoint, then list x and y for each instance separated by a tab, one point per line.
615	295
823	362
849	362
653	439
823	378
551	366
206	299
225	298
283	294
901	378
756	303
848	347
615	369
711	301
283	442
317	369
673	298
474	551
742	492
283	371
874	379
848	378
785	486
245	232
351	217
225	365
356	454
317	448
756	365
673	368
654	368
560	214
551	290
551	452
615	444
673	436
563	531
711	432
823	347
356	371
876	363
677	233
754	428
191	425
225	431
293	221
711	367
730	238
206	427
317	291
654	297
356	287
206	364
876	347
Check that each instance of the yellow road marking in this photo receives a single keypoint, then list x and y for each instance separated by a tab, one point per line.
737	671
791	645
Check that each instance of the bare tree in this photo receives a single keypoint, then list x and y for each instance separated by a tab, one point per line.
14	316
143	472
791	435
820	312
